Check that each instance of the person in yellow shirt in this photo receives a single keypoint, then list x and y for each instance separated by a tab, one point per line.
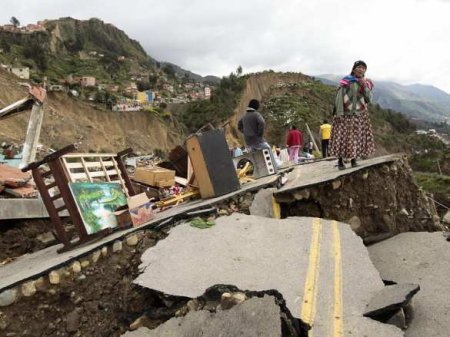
325	134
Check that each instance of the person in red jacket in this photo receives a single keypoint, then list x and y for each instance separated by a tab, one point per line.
294	142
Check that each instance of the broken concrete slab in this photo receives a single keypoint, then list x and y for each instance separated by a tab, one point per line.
47	238
323	171
33	265
389	300
256	317
421	258
367	327
23	209
26	191
446	218
257	253
262	204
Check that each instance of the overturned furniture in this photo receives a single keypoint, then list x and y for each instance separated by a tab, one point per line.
212	164
260	162
67	167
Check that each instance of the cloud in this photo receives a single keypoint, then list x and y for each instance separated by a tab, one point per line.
402	40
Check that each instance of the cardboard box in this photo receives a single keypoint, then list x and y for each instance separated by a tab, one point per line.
137	212
155	176
140	209
123	217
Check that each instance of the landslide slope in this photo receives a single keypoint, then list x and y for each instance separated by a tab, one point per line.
295	98
69	120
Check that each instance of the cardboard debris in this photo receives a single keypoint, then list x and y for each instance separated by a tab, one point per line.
123	217
138	211
140	208
155	176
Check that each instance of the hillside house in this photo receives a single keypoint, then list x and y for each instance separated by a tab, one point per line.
207	92
131	88
168	87
112	88
31	28
87	81
142	97
56	87
21	72
9	28
127	105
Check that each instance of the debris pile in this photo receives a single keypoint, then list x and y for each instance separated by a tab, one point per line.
14	183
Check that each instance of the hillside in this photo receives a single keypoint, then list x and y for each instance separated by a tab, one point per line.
69	120
294	98
423	102
77	48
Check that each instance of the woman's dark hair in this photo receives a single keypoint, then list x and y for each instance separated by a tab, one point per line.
254	104
358	63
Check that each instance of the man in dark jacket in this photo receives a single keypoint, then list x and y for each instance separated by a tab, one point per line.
252	126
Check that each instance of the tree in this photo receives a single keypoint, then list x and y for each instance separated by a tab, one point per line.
239	71
152	80
143	85
169	70
14	21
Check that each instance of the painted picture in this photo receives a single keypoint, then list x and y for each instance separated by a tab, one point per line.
97	203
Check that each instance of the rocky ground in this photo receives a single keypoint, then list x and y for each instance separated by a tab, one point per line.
24	237
99	300
380	200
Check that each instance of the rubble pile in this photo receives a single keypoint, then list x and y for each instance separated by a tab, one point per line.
16	184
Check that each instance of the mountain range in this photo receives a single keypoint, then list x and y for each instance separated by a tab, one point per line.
417	101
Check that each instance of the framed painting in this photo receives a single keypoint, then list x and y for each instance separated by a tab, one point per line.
97	202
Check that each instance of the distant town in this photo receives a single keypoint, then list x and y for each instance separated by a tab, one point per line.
129	96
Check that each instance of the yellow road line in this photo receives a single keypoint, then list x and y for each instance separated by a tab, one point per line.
308	311
276	209
338	323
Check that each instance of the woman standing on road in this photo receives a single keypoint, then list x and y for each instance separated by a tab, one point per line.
351	135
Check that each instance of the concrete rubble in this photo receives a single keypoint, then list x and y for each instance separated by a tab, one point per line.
391	301
262	205
15	183
256	253
421	258
256	317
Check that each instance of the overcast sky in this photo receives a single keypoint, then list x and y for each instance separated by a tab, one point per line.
406	41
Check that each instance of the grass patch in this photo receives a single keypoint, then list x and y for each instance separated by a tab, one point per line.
433	183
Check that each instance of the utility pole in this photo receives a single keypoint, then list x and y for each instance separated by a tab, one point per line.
38	95
312	139
439	167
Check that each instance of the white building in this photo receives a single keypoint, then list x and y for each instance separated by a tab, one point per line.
23	73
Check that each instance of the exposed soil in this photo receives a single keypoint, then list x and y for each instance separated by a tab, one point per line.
100	301
18	237
383	199
70	120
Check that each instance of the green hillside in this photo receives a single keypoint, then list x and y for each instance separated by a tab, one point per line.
78	48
